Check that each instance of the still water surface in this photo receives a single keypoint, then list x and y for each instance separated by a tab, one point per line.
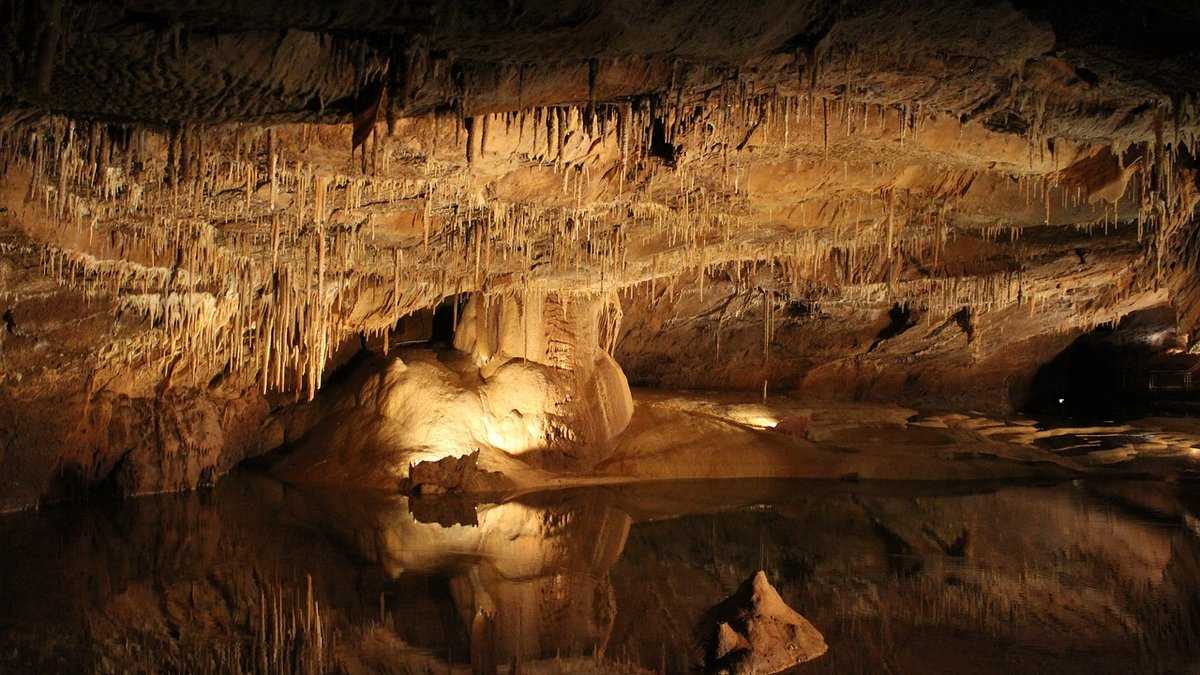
1092	577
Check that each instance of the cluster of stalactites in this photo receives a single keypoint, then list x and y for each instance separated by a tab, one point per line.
245	254
185	230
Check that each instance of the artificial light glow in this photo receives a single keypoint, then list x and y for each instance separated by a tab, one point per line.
762	422
754	416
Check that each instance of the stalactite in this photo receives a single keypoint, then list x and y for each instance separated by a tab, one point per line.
229	293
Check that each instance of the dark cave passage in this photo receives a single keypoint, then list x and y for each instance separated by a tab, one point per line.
1135	368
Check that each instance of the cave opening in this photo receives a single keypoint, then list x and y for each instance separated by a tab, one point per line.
1137	368
445	319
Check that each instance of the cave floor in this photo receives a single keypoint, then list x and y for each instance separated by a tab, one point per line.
707	435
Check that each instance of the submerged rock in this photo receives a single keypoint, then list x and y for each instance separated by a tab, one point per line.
754	631
452	475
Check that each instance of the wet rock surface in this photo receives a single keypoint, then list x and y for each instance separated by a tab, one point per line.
756	632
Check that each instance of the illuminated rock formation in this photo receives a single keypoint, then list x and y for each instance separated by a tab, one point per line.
524	389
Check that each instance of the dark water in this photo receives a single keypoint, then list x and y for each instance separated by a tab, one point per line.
900	578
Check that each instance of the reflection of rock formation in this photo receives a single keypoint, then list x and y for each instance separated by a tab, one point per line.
544	574
1056	575
532	385
528	580
890	572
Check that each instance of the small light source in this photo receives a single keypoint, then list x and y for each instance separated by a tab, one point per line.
763	422
754	415
1061	400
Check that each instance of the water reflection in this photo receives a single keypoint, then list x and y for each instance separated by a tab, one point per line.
1087	577
529	578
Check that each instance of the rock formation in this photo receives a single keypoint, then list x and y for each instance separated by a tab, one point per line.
204	212
756	632
522	389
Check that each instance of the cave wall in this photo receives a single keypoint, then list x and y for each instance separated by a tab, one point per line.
748	329
74	419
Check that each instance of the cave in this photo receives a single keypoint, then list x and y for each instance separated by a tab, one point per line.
599	337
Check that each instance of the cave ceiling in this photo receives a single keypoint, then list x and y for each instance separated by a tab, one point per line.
238	186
